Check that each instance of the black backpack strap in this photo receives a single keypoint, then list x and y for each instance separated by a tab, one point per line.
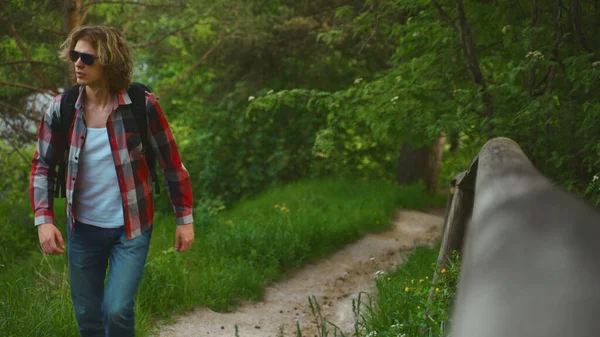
67	112
137	93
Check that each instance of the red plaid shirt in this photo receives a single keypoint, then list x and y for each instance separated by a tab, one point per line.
134	179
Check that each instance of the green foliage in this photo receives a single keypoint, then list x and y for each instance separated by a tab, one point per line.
16	219
243	150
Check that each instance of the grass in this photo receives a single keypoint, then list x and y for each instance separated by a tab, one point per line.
235	255
402	307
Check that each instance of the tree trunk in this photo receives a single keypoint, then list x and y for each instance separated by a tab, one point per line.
535	23
454	140
72	20
578	32
558	35
470	58
421	163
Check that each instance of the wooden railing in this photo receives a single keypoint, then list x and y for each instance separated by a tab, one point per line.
530	251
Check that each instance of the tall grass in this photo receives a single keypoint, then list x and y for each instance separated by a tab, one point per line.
407	303
235	255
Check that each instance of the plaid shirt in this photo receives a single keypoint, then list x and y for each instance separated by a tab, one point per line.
135	181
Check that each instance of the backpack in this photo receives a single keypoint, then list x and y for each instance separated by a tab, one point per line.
137	93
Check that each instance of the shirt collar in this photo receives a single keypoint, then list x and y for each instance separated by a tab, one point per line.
121	98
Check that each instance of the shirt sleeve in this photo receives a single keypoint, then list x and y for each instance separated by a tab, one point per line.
176	175
50	147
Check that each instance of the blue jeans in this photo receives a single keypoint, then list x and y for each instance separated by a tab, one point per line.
105	311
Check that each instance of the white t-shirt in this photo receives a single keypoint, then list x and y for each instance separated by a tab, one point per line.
97	195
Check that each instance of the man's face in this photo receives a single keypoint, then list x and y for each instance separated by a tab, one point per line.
90	75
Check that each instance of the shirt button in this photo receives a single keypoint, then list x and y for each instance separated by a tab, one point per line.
73	179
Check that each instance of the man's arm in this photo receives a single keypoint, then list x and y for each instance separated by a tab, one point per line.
177	177
41	184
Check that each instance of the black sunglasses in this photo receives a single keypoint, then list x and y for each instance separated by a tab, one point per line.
86	58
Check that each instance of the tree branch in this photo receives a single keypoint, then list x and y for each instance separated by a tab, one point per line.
32	117
373	31
443	14
129	22
11	125
15	148
202	59
30	24
54	65
26	86
197	64
164	36
8	106
27	56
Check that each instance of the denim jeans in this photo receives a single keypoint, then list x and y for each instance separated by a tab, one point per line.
105	311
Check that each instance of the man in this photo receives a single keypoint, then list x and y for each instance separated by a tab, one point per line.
108	186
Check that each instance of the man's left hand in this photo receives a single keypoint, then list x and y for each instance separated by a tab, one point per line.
184	237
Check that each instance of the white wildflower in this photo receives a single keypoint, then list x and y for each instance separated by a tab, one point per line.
394	99
270	92
595	178
358	80
505	29
398	78
251	98
596	64
378	274
416	34
536	55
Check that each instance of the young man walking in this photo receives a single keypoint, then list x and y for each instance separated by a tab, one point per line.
108	184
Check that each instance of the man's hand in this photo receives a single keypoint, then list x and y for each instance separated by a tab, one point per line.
184	237
49	237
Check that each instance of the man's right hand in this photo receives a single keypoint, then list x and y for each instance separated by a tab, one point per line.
51	239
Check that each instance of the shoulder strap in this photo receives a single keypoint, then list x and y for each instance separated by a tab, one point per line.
137	93
67	112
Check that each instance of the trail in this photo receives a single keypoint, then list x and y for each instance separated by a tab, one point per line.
333	281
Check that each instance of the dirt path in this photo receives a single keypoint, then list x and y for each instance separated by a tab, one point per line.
334	282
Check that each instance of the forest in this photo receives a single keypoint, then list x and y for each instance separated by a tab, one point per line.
266	94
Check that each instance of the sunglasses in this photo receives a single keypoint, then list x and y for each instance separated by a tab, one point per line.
86	58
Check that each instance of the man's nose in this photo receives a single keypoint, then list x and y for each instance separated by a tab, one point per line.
79	63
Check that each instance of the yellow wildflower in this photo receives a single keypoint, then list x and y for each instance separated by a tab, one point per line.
421	281
418	307
443	270
412	281
406	289
437	289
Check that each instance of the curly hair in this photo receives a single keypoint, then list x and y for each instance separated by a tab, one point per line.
113	53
